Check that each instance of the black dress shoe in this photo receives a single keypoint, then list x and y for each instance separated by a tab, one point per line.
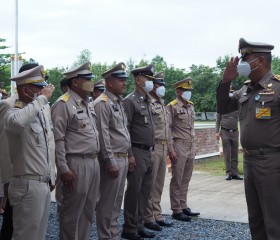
146	234
164	223
189	212
181	217
152	226
236	177
130	236
228	177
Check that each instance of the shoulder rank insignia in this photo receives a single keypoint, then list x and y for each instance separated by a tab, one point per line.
19	104
172	103
247	82
276	77
65	97
103	97
190	102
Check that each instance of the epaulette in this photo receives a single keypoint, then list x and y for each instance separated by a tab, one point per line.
65	97
103	97
276	77
131	96
19	104
172	103
247	82
190	102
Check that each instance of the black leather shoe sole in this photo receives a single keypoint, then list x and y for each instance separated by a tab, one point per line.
146	234
236	177
131	236
152	226
164	224
181	217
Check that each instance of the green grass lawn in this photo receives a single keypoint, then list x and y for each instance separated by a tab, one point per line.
216	166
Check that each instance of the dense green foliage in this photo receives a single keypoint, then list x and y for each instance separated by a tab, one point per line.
205	78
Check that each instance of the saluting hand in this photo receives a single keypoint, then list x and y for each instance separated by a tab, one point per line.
68	179
230	72
131	164
114	171
47	91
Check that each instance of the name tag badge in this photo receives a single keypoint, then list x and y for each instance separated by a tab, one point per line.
263	113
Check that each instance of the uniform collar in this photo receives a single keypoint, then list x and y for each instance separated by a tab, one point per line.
266	79
76	97
141	97
181	103
112	96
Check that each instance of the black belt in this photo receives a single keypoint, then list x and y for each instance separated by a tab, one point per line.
229	130
260	151
142	146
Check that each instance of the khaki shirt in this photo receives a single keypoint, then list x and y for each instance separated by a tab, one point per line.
228	121
112	127
29	131
181	121
5	162
160	119
255	132
75	129
139	119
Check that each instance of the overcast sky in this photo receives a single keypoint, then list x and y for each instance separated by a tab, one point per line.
183	32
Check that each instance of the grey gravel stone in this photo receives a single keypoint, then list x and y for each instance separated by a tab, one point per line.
197	229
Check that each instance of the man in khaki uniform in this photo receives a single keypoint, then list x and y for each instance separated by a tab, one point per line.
30	137
5	162
258	105
153	217
181	149
141	128
99	88
114	144
77	144
227	129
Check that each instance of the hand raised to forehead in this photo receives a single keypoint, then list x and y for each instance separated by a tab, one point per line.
48	90
230	72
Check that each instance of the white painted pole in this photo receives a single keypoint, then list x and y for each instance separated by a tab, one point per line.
16	47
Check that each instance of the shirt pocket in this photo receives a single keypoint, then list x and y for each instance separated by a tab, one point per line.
243	105
83	122
37	135
118	119
145	118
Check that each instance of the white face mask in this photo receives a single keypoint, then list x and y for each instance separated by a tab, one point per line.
244	68
160	91
1	96
149	85
187	95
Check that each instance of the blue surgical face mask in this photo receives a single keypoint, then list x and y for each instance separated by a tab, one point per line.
187	95
160	91
244	68
149	85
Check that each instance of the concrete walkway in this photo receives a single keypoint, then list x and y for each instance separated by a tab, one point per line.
212	196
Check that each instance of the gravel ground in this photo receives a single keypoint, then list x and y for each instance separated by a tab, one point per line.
198	229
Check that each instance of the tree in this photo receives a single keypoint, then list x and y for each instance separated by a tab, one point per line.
5	67
84	56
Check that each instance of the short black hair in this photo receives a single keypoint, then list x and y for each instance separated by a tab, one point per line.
28	66
63	82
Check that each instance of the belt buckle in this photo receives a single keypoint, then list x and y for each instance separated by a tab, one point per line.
163	142
151	149
230	130
192	140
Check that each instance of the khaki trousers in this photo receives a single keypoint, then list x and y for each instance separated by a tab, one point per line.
137	192
30	201
230	151
109	205
153	211
181	175
262	190
78	205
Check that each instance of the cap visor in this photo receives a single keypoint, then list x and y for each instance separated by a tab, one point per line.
40	84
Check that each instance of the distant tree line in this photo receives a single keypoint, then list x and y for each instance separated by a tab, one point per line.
205	78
